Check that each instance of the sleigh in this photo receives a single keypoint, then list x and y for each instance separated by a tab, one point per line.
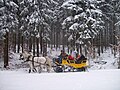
71	65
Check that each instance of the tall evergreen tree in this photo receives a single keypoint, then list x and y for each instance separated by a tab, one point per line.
83	20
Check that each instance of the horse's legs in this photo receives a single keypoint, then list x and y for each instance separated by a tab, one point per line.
48	68
30	67
30	70
34	69
40	69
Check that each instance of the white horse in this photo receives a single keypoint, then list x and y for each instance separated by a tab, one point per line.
36	62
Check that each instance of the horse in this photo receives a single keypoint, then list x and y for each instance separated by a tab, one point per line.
40	62
36	62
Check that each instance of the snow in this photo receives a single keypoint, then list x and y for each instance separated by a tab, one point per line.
92	80
74	26
67	3
96	11
87	36
90	18
68	19
38	35
105	61
2	9
54	2
118	23
13	4
76	17
70	38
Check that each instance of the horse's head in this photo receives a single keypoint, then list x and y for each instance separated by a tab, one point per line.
24	55
29	58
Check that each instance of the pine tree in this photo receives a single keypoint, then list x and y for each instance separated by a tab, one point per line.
83	18
7	18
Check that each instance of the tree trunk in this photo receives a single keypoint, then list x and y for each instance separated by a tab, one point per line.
14	42
22	43
19	41
81	49
68	47
57	33
99	50
19	31
37	43
101	41
63	39
41	42
94	52
34	45
30	43
54	34
77	44
114	34
6	57
85	48
106	35
51	36
44	48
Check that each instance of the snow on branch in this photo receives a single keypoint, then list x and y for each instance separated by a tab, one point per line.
70	38
13	4
74	26
117	24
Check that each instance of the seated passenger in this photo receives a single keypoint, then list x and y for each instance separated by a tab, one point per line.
62	55
82	57
77	56
70	57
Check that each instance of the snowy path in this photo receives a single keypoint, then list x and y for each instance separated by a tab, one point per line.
93	80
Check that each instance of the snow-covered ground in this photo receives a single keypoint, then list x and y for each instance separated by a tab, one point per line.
92	80
105	61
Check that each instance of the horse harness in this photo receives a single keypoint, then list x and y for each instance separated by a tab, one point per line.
33	61
37	61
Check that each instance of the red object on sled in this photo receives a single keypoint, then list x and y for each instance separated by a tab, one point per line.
70	57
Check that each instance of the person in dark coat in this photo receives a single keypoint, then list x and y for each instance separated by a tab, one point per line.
82	57
62	55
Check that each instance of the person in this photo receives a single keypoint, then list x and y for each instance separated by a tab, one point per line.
70	57
77	56
73	54
82	57
62	55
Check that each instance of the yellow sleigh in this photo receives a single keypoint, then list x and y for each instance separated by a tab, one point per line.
71	65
